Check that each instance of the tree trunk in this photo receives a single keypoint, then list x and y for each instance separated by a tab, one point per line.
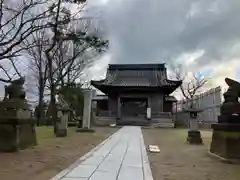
41	116
53	112
52	105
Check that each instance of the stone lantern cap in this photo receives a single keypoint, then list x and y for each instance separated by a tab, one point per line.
193	110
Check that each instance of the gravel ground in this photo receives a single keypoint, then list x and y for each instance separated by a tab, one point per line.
180	161
51	155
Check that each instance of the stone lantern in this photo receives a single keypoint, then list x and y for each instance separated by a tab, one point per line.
17	125
226	133
194	135
63	114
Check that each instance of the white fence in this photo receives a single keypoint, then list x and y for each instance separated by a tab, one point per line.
209	102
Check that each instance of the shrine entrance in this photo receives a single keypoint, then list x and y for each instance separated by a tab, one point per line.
134	106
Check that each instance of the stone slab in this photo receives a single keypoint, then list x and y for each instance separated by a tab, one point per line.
74	179
121	157
104	175
82	171
127	173
154	148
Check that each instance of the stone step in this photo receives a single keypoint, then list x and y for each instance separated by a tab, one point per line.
164	125
104	121
134	122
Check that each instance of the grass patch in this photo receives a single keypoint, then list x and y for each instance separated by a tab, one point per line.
179	160
45	134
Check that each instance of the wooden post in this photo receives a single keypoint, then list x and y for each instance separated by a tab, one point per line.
109	106
118	107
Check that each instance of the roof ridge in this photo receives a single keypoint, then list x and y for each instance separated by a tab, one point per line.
159	66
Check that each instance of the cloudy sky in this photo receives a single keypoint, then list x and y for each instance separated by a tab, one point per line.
202	35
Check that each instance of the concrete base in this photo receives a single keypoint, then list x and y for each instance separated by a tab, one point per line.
226	141
194	137
226	135
88	130
224	160
61	133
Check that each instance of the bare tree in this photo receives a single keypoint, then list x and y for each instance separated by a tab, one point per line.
38	66
62	19
70	61
190	87
9	69
17	22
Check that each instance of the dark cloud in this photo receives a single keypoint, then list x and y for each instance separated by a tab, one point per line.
143	31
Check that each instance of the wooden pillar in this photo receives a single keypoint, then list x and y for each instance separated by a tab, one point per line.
161	102
149	102
109	106
118	107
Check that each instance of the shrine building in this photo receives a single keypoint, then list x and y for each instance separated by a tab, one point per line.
131	89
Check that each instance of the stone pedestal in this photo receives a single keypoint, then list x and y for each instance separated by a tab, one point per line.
194	137
226	137
17	127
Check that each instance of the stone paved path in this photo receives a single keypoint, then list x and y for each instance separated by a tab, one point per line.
122	156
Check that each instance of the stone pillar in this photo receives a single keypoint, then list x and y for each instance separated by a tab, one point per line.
94	110
86	120
87	109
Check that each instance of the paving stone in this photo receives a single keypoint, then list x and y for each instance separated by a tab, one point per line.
110	166
127	173
74	178
122	157
104	175
82	171
146	166
93	160
132	163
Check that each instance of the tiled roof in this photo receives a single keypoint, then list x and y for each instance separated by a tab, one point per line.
100	97
170	98
131	82
153	75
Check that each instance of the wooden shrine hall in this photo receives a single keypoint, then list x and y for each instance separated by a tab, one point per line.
131	89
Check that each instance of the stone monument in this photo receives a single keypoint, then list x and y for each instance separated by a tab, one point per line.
226	133
194	135
87	112
17	125
63	113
